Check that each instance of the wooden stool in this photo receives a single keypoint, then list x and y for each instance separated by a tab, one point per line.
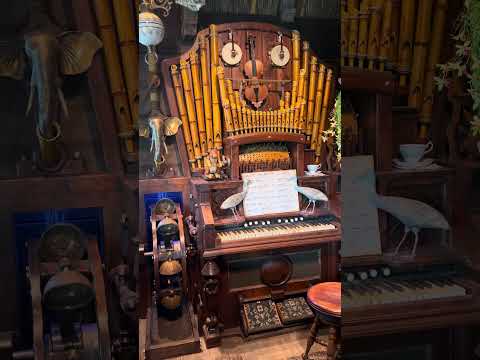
326	302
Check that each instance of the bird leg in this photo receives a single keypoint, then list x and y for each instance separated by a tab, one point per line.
407	230
308	205
234	213
313	210
415	233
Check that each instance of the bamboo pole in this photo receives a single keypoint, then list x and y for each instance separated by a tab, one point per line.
233	106
318	106
302	116
374	33
300	98
353	31
286	114
326	102
364	17
217	119
227	112
207	102
395	33
306	66
198	96
296	54
238	104
439	21
386	34
311	97
114	72
250	120
125	24
407	27
244	119
187	90
183	114
420	49
343	32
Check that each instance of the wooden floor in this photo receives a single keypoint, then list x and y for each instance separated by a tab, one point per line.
281	347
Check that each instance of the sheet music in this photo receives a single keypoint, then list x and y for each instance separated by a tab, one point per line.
360	230
271	192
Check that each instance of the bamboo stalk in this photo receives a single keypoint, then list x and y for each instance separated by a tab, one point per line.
233	106
318	106
364	17
275	121
374	33
187	90
326	102
227	112
311	97
438	31
217	120
238	104
306	66
114	71
207	102
125	24
183	114
285	116
386	34
300	98
244	119
407	27
198	96
250	121
302	116
422	39
395	33
352	31
296	54
293	101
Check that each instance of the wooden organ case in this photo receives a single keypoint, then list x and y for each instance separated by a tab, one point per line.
258	95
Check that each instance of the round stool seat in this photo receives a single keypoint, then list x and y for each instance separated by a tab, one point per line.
326	301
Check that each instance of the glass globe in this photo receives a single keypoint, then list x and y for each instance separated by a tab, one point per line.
151	30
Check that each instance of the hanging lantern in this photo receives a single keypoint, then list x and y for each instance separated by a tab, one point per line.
151	30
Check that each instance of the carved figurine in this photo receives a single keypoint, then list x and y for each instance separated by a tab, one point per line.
50	53
215	166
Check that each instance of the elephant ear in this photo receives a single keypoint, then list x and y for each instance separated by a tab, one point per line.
13	65
171	125
77	51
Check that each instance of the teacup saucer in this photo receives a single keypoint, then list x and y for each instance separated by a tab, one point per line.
316	173
400	164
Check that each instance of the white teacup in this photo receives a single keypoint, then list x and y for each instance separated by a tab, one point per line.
312	168
413	153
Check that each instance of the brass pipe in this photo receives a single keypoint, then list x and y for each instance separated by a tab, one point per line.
207	101
318	106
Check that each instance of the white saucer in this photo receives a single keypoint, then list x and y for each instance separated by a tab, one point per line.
316	173
400	164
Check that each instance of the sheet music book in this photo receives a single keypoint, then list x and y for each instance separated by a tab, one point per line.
271	192
360	229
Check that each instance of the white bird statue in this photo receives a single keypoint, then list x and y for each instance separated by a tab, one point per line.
414	215
313	195
234	200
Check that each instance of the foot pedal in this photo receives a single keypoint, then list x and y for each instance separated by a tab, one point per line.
294	310
260	316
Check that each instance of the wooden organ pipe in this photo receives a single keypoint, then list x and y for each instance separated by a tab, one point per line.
244	119
422	39
407	26
192	121
301	83
295	54
233	106
386	34
293	101
311	96
394	34
183	115
238	105
217	120
324	116
302	116
439	20
249	120
285	114
227	112
197	93
318	106
352	11
374	31
207	102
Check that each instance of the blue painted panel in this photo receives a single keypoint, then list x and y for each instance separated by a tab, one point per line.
150	200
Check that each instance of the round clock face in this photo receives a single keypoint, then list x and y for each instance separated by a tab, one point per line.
280	55
231	55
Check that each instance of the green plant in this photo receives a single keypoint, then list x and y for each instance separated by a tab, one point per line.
335	129
466	62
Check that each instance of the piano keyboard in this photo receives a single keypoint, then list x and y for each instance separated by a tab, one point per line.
366	289
276	227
